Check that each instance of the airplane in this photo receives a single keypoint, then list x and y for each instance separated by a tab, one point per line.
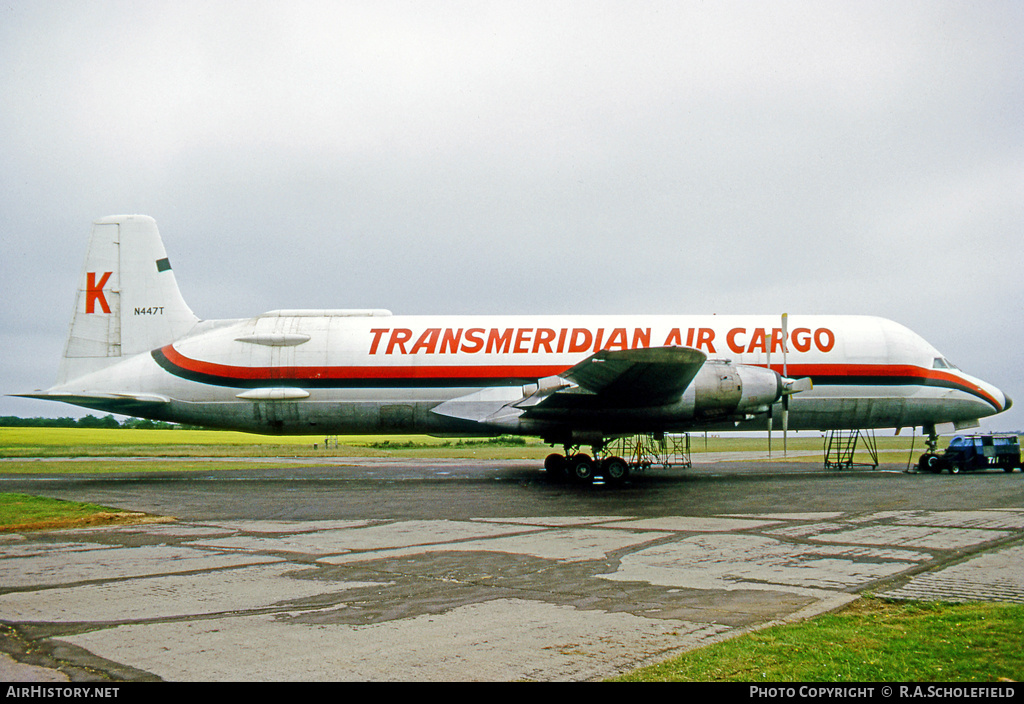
135	348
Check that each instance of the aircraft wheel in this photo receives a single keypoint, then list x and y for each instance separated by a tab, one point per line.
615	470
554	462
556	466
930	463
581	468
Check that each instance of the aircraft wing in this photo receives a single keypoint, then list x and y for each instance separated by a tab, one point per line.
641	377
610	379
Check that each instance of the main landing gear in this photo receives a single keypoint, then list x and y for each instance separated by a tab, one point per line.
582	468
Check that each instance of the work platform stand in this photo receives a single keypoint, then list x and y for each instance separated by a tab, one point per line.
841	446
331	441
645	451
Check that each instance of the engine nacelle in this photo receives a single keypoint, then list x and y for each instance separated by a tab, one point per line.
722	390
561	413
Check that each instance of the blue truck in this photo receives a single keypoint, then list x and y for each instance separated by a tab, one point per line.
967	453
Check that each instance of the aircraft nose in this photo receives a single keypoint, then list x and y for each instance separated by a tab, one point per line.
995	396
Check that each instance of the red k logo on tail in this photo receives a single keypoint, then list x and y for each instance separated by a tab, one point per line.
94	292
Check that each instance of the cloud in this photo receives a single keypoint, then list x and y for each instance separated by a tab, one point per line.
528	157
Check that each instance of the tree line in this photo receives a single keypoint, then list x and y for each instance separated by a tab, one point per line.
107	421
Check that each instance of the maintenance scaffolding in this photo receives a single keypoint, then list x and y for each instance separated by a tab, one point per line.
645	451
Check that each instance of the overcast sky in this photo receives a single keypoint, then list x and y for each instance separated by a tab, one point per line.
524	157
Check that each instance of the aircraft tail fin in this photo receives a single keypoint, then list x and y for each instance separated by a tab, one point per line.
128	301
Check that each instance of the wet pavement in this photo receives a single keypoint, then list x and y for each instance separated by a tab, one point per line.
459	570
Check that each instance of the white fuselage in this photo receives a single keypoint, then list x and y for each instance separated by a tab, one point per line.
337	372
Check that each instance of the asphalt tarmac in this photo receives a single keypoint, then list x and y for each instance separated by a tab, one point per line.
454	570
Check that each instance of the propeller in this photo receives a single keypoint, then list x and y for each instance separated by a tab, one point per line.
785	375
789	386
768	359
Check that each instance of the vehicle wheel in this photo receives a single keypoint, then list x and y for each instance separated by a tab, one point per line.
930	463
955	468
615	470
581	468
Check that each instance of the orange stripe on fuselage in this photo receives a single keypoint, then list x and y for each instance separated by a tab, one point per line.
824	374
229	372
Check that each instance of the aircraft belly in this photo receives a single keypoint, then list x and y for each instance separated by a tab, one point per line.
863	407
332	416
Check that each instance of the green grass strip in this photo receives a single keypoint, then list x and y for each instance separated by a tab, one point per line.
22	512
129	466
871	640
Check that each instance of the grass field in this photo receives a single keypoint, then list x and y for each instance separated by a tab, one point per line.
120	442
44	449
871	640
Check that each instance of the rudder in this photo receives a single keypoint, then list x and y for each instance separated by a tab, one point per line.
128	300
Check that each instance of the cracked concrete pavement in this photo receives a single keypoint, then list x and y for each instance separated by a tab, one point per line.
479	571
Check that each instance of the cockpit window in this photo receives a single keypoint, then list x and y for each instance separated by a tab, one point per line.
943	363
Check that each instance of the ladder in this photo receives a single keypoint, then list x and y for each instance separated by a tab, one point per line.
841	446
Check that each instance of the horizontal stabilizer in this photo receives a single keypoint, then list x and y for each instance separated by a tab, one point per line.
123	403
